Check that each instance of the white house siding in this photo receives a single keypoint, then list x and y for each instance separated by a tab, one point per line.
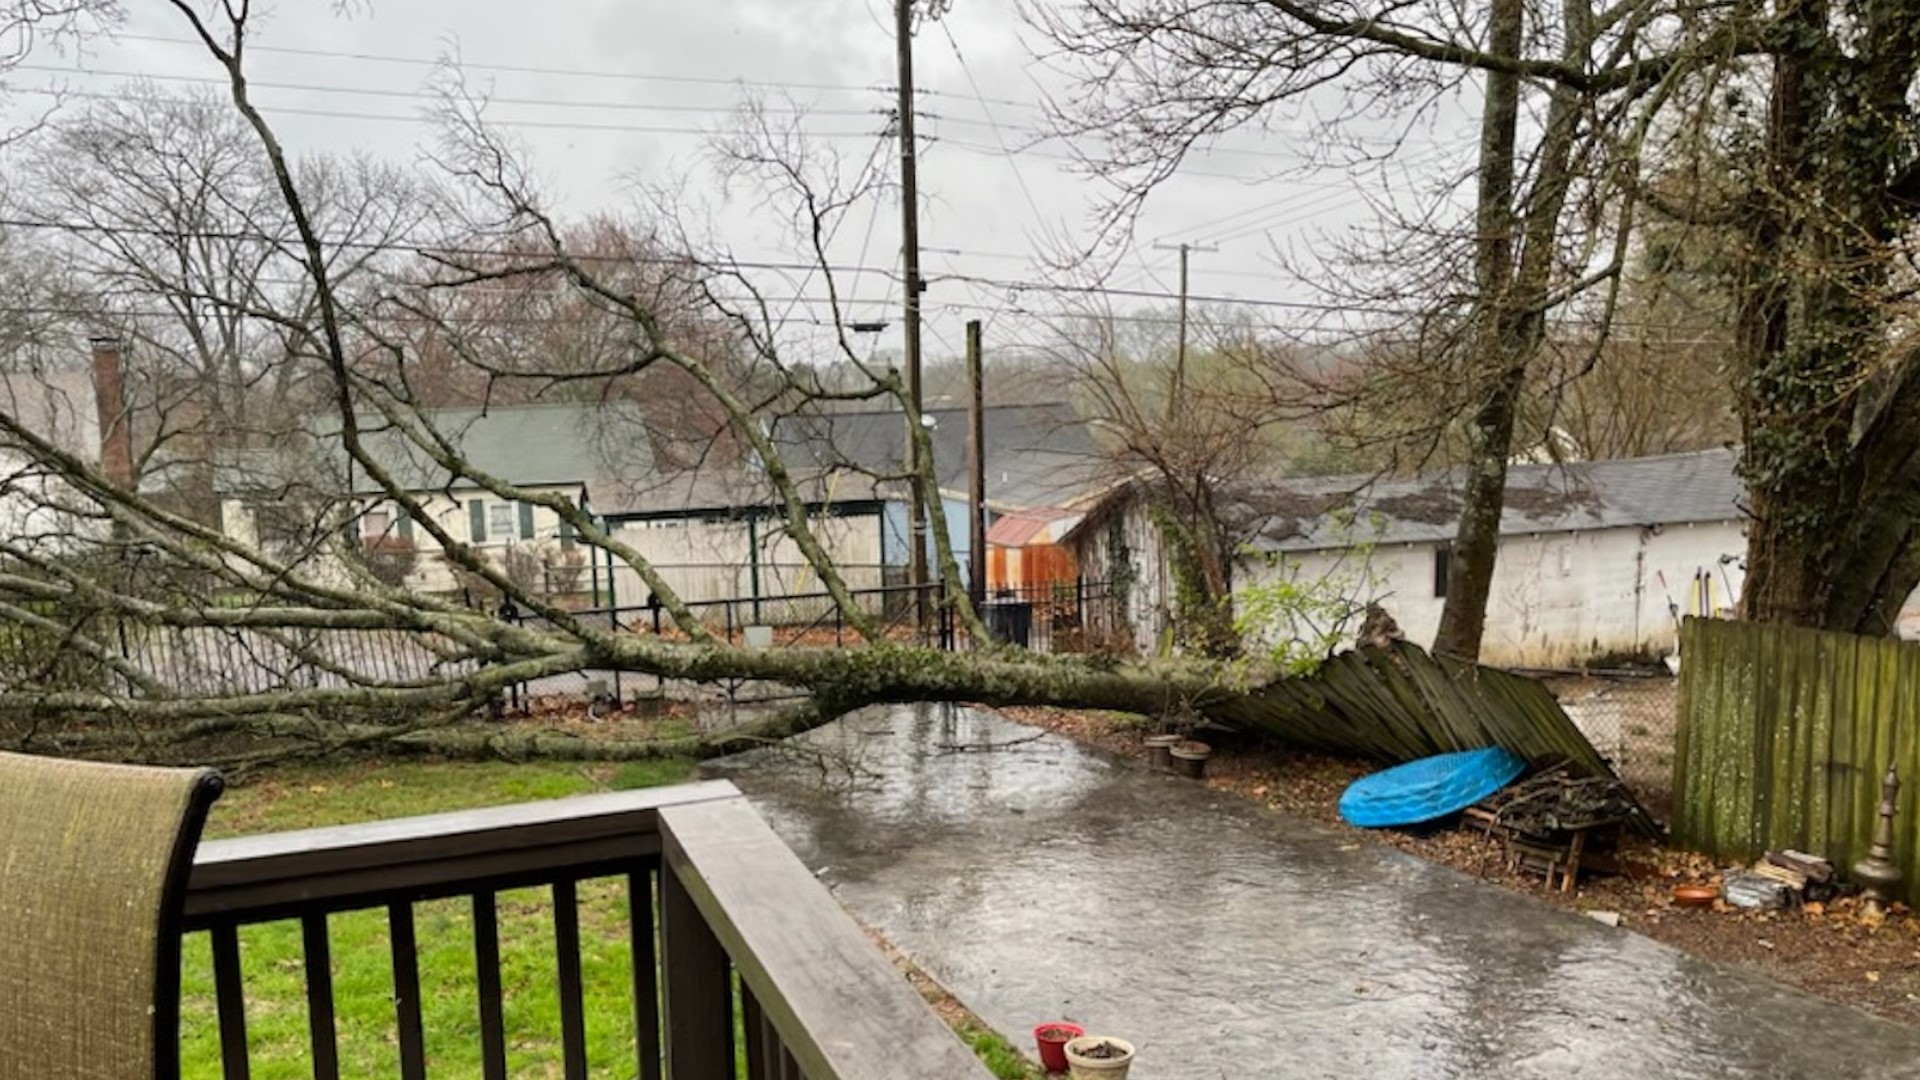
710	560
1558	599
1149	594
451	512
42	512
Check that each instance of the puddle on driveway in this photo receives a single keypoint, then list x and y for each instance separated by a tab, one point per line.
1038	880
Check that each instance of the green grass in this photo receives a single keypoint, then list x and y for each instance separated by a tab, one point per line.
998	1055
273	961
272	958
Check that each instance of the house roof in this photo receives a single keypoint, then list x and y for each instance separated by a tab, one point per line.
1035	454
717	488
525	445
1335	512
592	444
1035	526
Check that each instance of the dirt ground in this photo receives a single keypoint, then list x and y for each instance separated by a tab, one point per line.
1831	950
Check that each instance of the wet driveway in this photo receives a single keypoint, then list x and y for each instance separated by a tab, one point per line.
1039	880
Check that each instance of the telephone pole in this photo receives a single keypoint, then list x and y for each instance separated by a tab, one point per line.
1180	358
976	471
910	258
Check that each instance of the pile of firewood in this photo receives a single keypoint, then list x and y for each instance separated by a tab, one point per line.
1781	879
1555	801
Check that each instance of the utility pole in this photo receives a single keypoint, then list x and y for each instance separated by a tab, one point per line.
976	471
910	257
1180	358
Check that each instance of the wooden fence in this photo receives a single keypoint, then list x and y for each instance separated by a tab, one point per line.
1399	704
1784	737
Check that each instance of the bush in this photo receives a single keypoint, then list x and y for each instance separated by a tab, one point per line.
391	559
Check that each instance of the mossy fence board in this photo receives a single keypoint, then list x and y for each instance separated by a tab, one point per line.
1399	704
1784	736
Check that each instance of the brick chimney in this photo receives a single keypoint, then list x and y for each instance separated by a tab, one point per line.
110	399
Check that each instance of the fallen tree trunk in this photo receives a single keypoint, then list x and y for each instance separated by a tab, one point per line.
1388	705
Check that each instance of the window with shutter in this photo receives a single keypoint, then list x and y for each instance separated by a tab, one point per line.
526	520
500	522
477	520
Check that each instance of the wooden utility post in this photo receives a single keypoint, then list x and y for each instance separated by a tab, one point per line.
1180	357
976	471
910	257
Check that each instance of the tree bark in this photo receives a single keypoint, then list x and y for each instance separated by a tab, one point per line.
1830	410
1489	432
1512	315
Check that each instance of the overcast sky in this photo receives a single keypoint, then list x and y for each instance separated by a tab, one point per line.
607	93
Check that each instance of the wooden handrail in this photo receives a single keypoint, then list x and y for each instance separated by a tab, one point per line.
254	878
840	1008
820	1000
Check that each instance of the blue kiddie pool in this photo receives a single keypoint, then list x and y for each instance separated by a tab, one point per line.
1429	788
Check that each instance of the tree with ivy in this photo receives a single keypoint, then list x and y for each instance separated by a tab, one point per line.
1820	140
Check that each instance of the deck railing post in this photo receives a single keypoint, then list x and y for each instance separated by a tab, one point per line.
699	991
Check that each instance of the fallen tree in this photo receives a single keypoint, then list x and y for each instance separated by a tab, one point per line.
184	596
346	312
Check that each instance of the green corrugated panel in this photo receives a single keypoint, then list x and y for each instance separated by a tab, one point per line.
1730	746
1401	704
1685	801
1762	719
1906	751
1835	661
1775	749
1704	662
1841	769
1784	735
1884	714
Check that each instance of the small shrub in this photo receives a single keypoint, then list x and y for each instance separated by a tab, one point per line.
391	559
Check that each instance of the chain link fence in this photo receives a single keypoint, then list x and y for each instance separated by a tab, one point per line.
1632	718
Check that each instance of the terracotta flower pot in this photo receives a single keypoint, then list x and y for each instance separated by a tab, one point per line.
1695	895
1052	1038
1099	1057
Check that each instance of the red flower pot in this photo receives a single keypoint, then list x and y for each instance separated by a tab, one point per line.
1052	1039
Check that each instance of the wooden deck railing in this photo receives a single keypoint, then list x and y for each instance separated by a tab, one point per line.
713	897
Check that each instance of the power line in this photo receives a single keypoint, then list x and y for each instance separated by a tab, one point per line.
941	305
580	73
967	69
418	249
430	96
987	119
368	91
1011	286
341	114
1147	294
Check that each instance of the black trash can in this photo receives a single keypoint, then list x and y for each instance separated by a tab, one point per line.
1011	622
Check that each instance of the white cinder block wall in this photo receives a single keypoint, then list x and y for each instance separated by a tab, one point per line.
1558	599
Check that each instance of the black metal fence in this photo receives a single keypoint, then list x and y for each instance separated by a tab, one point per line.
1056	617
1077	616
214	661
